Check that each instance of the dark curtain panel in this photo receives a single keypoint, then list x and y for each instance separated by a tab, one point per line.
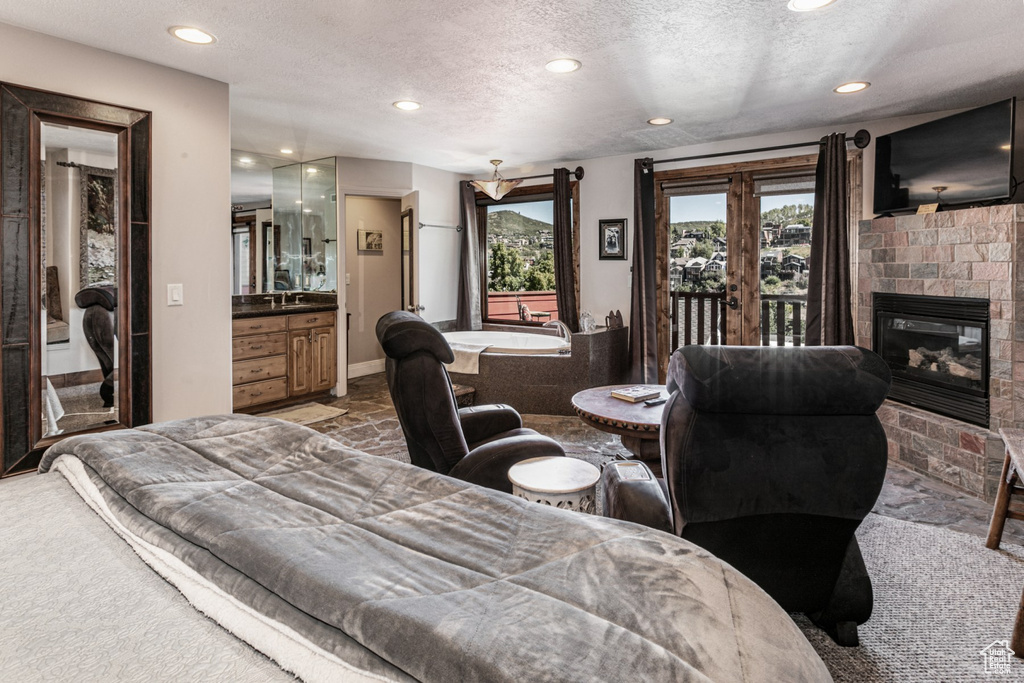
469	315
643	319
829	318
565	273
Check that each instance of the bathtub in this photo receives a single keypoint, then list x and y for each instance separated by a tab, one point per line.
527	372
510	342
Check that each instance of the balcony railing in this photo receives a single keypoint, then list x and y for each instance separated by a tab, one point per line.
696	318
543	306
782	321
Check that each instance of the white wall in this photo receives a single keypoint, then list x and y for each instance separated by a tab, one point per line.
606	192
191	202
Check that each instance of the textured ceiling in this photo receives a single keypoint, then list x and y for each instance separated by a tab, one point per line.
320	77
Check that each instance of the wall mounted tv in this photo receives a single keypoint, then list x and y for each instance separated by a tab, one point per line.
962	159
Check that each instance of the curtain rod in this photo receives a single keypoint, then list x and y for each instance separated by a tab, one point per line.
861	139
456	228
578	173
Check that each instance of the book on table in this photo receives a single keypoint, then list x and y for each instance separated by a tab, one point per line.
636	393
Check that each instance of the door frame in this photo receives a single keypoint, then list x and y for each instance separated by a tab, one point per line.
742	228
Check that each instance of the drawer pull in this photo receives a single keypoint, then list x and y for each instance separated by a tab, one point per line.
312	320
255	327
256	370
255	394
256	347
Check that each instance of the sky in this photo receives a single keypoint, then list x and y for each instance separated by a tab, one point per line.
711	207
701	207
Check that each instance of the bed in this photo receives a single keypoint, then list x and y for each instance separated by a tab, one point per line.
340	565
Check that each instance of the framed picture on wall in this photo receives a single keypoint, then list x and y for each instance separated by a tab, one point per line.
612	239
370	240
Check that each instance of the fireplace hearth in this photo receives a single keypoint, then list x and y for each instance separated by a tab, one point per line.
937	349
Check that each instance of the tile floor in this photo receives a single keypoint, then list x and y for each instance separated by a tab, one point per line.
371	426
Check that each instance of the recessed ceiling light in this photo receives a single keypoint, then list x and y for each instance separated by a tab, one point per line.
298	201
855	86
286	151
192	35
311	170
562	66
406	105
307	210
808	5
659	121
244	160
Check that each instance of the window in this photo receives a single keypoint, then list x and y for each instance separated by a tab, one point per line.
517	244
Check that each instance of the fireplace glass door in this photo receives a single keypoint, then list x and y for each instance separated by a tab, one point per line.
937	350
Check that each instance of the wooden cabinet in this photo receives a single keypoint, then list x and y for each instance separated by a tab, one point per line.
281	357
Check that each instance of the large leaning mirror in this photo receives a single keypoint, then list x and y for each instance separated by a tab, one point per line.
75	270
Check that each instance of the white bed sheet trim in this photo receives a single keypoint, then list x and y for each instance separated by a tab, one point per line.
289	649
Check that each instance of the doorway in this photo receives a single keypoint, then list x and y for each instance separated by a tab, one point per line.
736	239
373	268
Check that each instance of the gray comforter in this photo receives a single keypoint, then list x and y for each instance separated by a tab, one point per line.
436	578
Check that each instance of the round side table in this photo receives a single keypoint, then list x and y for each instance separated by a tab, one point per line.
562	482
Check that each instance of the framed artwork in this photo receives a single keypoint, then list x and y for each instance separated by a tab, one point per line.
612	239
370	240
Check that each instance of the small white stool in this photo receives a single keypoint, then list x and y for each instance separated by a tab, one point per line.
561	482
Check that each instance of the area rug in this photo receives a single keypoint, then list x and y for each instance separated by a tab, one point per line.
307	413
941	600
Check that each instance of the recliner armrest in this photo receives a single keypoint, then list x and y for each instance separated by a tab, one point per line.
480	423
488	464
632	493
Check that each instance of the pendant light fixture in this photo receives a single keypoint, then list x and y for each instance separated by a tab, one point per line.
497	187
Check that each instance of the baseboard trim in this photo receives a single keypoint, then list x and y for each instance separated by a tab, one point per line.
370	367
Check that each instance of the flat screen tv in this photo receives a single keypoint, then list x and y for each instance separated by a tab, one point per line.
962	159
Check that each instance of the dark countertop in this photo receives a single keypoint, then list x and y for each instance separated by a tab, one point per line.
261	310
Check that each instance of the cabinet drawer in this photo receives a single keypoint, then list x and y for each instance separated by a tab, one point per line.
258	325
259	346
305	321
260	392
244	371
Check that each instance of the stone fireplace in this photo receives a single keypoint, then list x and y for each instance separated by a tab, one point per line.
961	258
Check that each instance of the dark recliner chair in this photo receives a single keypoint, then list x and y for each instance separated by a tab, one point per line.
477	444
772	458
99	323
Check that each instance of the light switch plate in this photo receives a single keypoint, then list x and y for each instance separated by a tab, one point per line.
348	278
175	295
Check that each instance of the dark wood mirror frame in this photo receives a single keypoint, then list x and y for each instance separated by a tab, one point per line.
22	110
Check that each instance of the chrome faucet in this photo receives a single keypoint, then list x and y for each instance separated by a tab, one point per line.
563	329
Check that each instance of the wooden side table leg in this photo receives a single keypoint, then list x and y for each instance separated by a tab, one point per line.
999	510
1017	641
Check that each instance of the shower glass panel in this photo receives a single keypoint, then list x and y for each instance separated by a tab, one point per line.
301	248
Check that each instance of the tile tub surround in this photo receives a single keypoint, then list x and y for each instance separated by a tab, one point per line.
545	383
967	253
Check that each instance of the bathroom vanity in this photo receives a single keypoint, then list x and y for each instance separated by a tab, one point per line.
282	351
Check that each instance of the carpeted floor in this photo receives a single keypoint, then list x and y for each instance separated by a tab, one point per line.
83	407
941	597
